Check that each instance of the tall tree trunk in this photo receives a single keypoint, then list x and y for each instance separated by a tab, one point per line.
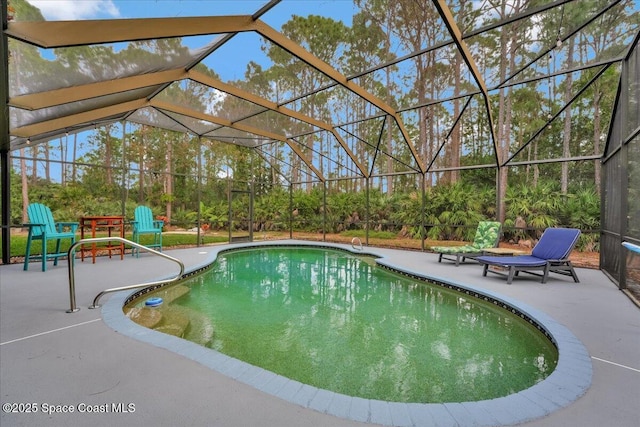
529	153
502	134
75	157
141	164
597	134
427	121
422	132
25	186
536	169
389	98
63	164
455	143
566	137
168	181
47	165
431	115
389	141
309	154
34	165
274	172
108	154
456	134
509	38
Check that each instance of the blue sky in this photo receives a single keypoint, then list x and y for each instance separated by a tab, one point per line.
237	54
55	10
110	9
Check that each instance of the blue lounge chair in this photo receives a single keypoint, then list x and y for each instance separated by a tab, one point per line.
144	223
550	255
487	236
43	227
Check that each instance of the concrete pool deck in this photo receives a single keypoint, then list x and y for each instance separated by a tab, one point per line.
91	360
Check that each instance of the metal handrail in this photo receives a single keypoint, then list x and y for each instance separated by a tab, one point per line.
353	243
72	280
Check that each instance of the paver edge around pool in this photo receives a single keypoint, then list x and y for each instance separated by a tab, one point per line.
569	381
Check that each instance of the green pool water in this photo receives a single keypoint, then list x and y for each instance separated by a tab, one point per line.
335	321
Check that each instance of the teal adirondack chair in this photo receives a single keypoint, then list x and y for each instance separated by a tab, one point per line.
43	227
144	223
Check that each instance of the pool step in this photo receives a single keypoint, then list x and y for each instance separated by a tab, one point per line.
144	316
174	321
172	293
200	329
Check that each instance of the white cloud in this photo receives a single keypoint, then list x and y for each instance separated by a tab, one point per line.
72	10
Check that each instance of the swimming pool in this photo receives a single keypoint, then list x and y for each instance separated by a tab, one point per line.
569	381
336	321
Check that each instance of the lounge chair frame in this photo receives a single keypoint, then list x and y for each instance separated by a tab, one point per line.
459	257
469	251
558	266
532	264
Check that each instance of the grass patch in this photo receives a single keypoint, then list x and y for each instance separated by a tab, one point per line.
384	235
19	242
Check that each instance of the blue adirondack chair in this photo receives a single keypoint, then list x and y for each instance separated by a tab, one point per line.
144	223
43	227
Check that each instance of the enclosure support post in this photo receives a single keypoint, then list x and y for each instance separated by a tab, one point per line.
229	202
624	200
324	210
6	207
623	231
366	213
199	238
423	225
499	213
123	164
5	163
291	210
251	189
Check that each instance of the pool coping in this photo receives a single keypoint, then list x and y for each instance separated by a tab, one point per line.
569	381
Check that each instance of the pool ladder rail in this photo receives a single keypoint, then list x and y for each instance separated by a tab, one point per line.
359	243
72	281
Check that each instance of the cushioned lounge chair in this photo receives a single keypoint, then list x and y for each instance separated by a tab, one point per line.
487	236
549	255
